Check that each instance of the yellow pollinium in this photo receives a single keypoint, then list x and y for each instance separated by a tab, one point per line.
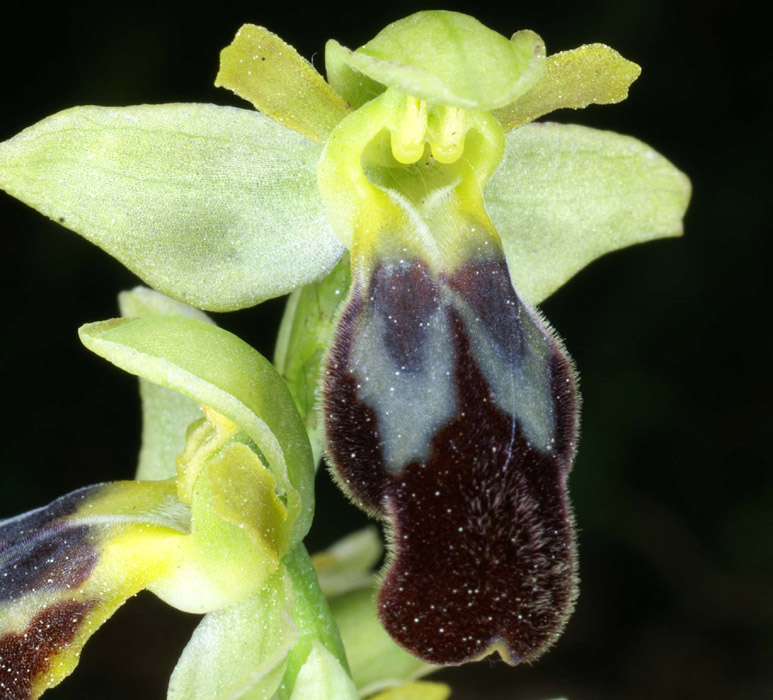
410	132
443	127
447	129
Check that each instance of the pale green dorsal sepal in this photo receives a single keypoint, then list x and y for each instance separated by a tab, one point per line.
166	414
263	69
446	58
215	206
614	191
143	301
590	74
218	370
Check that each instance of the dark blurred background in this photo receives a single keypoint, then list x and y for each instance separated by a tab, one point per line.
673	487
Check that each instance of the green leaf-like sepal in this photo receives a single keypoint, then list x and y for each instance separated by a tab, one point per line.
348	565
214	206
566	195
323	677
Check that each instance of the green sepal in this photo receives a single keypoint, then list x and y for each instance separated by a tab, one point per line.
215	206
354	87
166	414
565	195
218	370
273	76
590	74
239	652
446	58
304	336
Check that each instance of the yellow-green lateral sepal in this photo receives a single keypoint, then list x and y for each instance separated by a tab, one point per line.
421	690
271	74
215	206
66	568
446	58
590	74
218	370
565	195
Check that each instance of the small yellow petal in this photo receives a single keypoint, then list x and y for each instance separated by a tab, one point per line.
271	74
590	74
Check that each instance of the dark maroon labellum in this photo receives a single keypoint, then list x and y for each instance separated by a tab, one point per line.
451	412
25	657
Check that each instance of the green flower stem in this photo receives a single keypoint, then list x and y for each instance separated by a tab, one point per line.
312	616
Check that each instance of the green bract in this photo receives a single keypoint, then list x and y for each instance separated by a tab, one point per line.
411	186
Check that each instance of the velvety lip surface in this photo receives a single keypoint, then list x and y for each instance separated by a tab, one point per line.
482	544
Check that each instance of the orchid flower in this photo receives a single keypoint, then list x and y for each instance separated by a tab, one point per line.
218	529
417	215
